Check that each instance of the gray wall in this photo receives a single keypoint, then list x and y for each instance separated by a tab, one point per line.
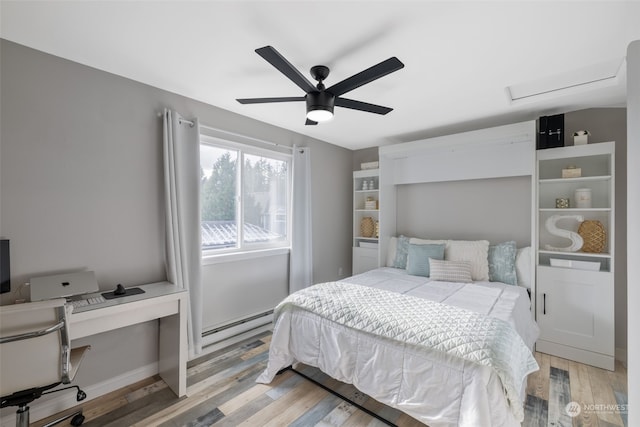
364	155
81	187
331	190
496	209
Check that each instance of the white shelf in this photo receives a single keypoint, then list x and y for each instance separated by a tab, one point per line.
580	179
575	254
576	151
575	209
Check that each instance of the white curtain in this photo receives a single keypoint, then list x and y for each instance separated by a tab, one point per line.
301	261
181	149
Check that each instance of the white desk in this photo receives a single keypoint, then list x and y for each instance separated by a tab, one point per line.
162	301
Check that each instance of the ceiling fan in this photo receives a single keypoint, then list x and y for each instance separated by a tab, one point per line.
321	100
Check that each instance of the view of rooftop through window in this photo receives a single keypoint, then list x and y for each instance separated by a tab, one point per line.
239	187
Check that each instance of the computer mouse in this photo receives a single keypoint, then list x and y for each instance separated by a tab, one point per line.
120	290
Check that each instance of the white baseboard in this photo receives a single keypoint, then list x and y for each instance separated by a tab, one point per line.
621	355
64	400
604	361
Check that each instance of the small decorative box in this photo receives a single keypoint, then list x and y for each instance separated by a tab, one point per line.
572	172
370	205
369	165
562	203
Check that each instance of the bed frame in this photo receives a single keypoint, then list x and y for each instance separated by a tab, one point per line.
338	395
500	152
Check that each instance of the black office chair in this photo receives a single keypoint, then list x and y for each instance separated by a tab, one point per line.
36	356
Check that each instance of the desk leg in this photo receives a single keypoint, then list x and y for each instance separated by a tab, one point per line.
172	352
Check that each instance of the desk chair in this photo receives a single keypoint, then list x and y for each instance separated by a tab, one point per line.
36	356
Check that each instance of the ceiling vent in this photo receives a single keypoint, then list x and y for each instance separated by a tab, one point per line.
595	76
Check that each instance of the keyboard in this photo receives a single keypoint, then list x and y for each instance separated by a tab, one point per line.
86	301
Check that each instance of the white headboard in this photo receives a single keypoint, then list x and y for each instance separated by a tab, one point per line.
499	152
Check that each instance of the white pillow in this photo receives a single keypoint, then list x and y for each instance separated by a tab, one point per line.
391	251
474	251
416	241
450	271
523	266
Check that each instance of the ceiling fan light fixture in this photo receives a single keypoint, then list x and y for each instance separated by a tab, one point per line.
319	115
320	106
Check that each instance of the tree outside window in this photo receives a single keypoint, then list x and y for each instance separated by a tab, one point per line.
260	203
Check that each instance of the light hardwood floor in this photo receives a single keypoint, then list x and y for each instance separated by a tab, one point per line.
222	392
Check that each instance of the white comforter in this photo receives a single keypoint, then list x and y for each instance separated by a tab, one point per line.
440	388
495	299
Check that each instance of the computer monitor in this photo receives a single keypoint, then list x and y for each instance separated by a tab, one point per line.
5	272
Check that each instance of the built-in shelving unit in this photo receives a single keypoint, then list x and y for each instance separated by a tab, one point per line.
575	305
366	191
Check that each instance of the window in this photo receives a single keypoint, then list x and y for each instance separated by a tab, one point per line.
245	197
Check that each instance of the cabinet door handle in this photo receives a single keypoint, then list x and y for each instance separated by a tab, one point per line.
544	303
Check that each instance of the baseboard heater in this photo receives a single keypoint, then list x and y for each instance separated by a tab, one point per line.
266	315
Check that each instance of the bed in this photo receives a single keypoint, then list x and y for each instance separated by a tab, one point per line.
466	365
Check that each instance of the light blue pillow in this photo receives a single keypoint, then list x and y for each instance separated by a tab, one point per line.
502	263
418	258
402	249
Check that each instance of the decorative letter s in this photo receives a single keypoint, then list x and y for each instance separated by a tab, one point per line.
576	239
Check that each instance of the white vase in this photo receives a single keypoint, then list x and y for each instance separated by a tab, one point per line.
582	198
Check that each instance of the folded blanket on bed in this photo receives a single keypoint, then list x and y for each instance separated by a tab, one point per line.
465	334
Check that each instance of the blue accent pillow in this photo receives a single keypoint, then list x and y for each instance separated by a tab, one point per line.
502	263
402	249
418	258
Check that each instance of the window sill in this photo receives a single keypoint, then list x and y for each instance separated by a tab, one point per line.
241	256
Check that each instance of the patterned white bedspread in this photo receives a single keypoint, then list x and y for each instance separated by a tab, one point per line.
405	345
461	333
495	299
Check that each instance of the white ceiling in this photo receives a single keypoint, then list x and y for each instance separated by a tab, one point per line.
459	56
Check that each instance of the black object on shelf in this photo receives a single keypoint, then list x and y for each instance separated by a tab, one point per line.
550	132
118	292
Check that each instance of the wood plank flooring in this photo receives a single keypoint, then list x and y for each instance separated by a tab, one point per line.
222	392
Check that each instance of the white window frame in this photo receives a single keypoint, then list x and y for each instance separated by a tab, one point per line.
244	250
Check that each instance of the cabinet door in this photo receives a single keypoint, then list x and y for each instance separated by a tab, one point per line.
364	259
575	308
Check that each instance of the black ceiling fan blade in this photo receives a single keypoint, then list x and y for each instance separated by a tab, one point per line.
274	58
310	122
265	100
362	106
370	74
